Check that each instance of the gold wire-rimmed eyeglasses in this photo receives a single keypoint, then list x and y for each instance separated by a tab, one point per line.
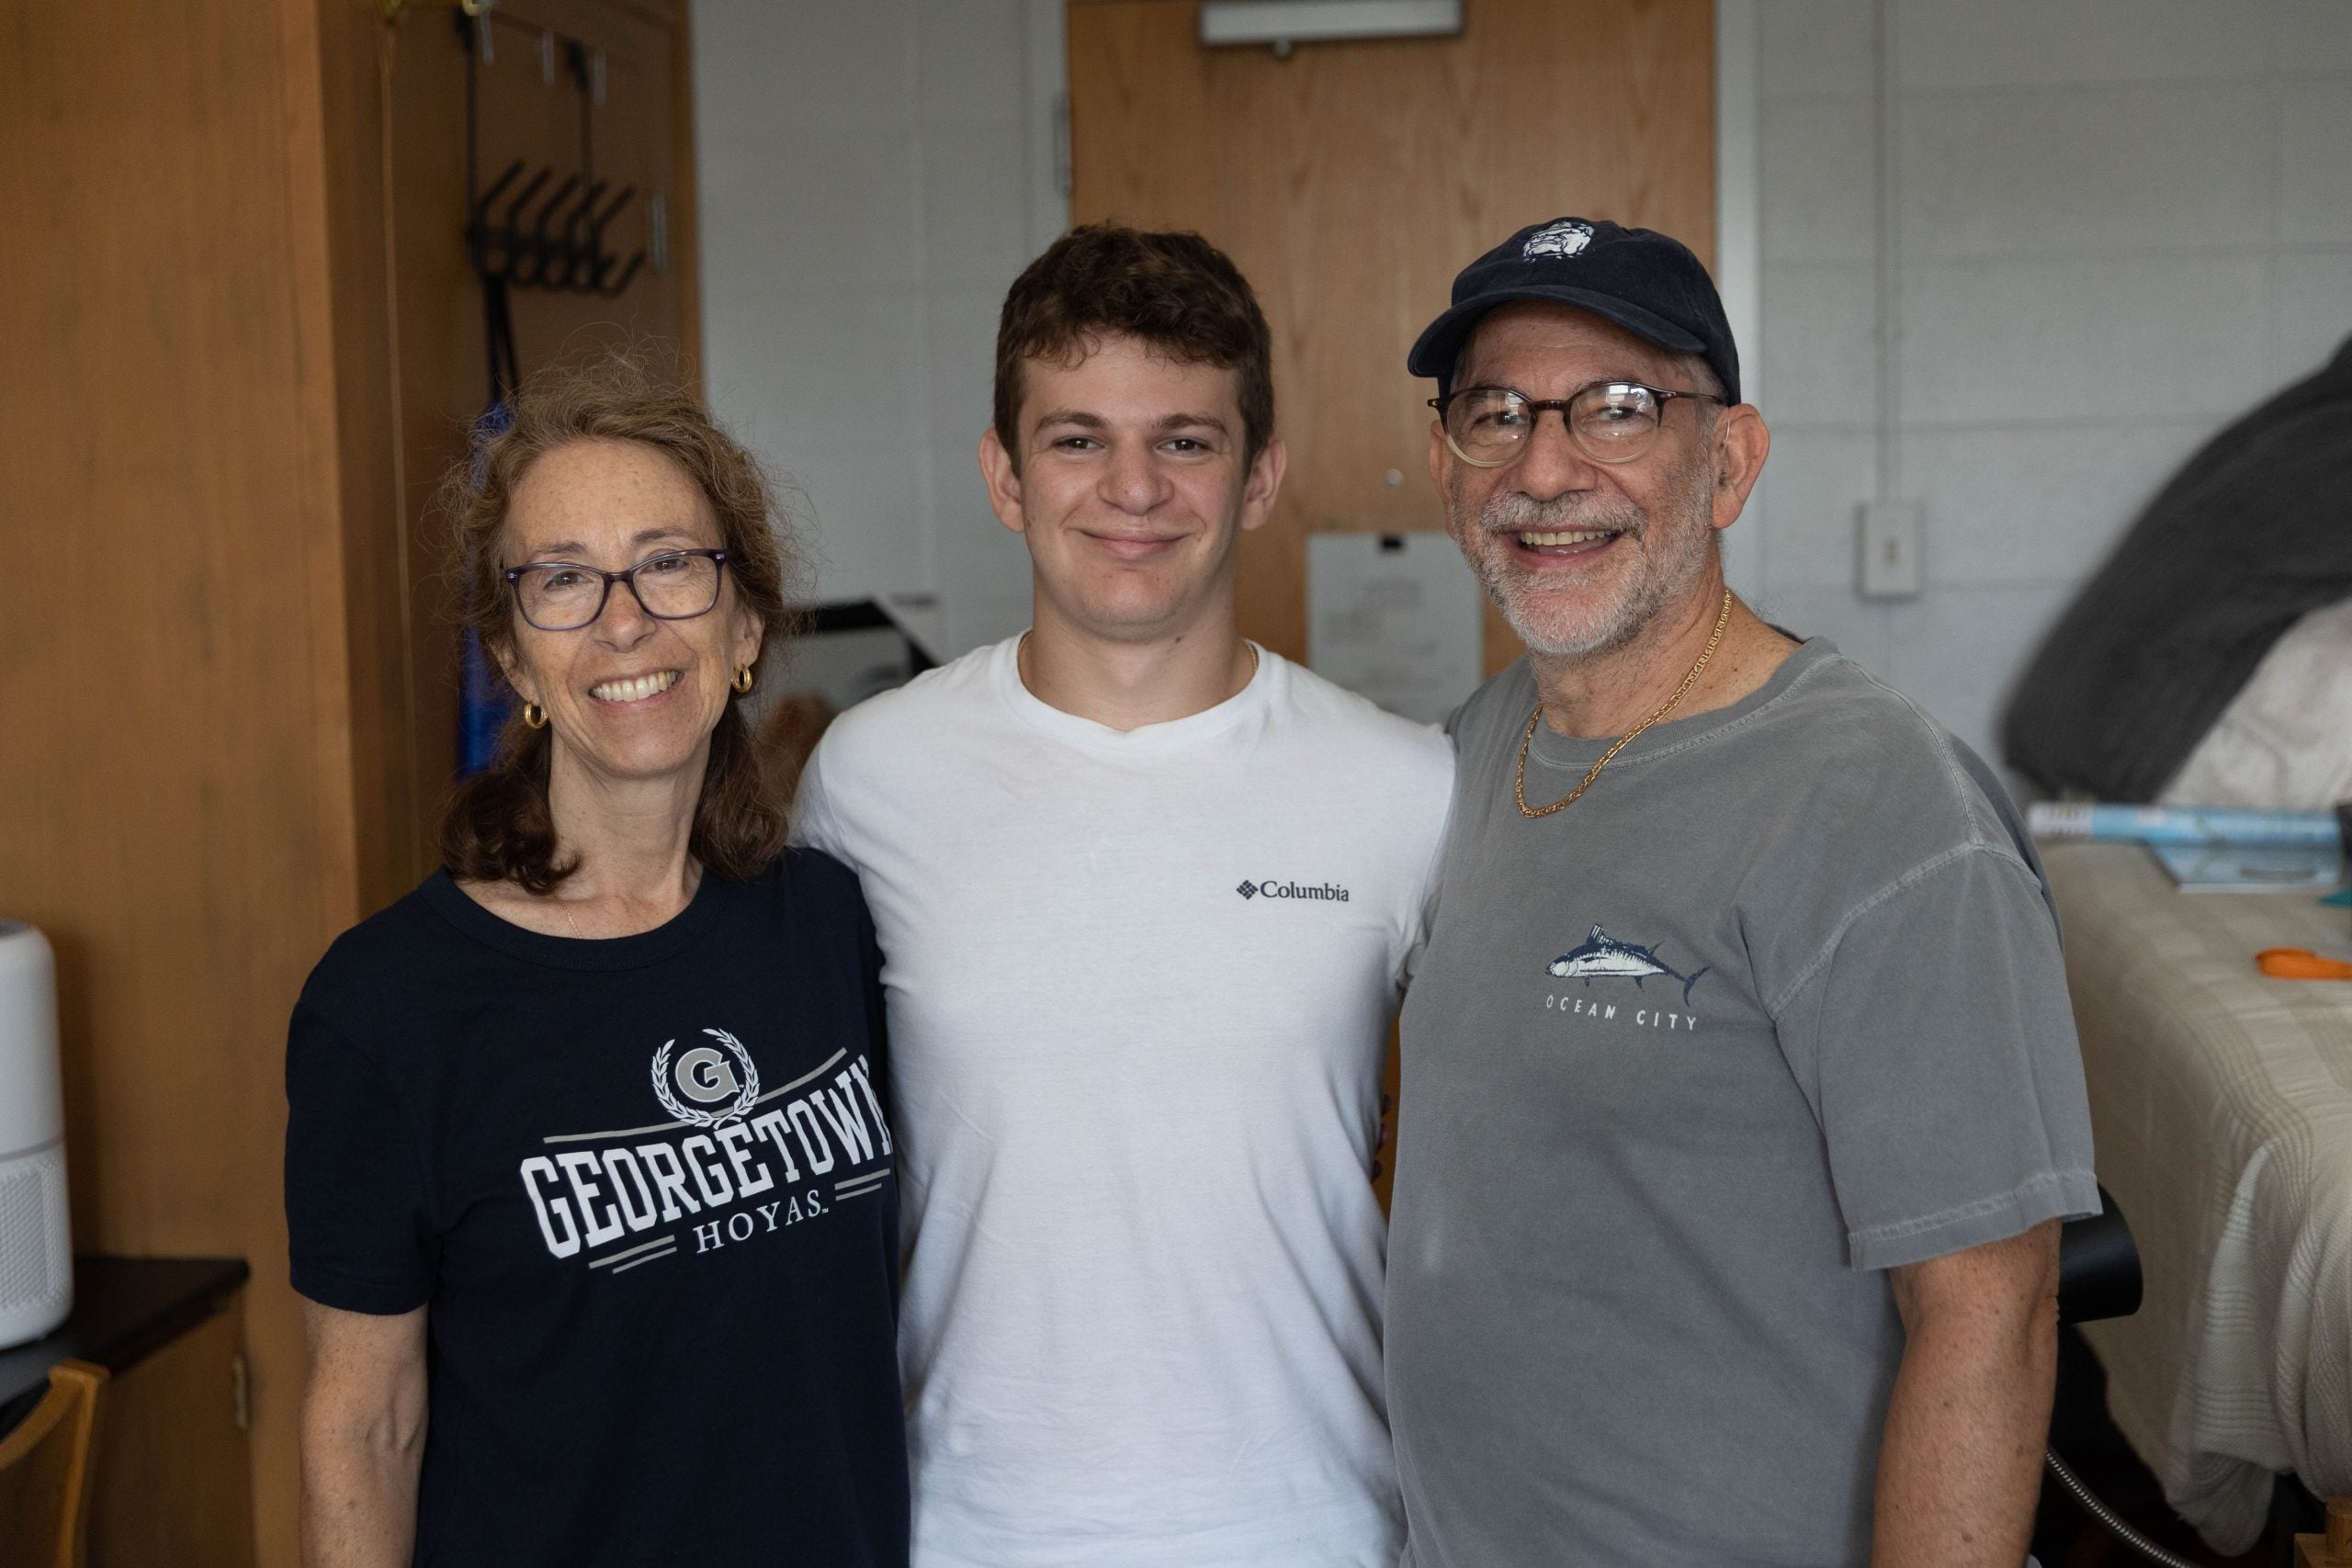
1611	422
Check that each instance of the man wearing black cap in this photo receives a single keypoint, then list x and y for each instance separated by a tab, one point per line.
1741	1096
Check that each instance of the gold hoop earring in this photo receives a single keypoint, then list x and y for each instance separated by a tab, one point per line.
742	682
534	717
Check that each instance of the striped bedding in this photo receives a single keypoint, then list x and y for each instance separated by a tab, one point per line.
2223	1107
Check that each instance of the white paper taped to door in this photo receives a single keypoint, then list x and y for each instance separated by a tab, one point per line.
1395	617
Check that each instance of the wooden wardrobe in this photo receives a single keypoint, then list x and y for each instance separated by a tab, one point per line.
241	338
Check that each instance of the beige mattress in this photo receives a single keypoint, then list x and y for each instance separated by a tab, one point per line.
2222	1106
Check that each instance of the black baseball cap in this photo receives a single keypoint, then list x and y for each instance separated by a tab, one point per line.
1645	282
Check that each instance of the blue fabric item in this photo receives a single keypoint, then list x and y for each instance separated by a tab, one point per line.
484	701
483	704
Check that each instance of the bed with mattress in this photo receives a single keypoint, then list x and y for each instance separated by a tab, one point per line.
2222	1101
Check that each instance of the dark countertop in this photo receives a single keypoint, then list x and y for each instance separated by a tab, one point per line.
124	1309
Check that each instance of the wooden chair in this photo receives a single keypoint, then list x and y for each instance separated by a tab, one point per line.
2332	1549
45	1472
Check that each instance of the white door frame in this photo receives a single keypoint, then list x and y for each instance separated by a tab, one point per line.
1739	241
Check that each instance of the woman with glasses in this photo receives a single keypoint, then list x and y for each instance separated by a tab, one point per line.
587	1179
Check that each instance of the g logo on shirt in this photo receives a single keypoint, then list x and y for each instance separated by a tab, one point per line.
705	1077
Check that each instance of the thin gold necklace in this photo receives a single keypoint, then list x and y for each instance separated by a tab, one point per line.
1519	784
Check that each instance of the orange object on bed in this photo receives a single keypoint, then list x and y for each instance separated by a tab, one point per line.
2301	964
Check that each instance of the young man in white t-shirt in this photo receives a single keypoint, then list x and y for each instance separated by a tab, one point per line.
1146	893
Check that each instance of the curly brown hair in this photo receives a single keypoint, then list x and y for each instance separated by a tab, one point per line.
498	826
1175	291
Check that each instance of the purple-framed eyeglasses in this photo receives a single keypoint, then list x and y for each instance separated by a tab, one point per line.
563	596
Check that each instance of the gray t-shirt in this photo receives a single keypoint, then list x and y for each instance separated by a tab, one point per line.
1777	1006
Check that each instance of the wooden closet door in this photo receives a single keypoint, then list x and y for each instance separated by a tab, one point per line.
1351	181
528	106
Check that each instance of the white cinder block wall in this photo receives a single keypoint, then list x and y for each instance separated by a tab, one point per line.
874	172
2119	223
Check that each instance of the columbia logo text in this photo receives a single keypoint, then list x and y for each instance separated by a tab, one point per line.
1327	892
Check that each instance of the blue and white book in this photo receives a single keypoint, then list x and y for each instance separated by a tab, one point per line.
2183	824
2252	868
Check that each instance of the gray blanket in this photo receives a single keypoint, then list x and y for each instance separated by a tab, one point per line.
2253	533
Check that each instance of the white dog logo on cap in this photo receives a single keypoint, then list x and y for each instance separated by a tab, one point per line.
1564	238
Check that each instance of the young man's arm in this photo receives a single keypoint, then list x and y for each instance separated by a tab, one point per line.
1959	1465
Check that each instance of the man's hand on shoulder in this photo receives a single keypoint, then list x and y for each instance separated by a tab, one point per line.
1959	1465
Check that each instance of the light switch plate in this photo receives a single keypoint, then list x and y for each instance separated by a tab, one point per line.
1887	556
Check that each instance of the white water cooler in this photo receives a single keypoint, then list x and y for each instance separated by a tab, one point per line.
36	1253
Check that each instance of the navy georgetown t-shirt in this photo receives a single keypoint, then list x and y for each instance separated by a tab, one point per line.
644	1187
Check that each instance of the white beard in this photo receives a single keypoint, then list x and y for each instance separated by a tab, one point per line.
1572	616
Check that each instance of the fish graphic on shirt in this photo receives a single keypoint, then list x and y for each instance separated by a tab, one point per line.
1603	957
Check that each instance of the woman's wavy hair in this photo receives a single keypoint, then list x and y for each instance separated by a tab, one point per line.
498	826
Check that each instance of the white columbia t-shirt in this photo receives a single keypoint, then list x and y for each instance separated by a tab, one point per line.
1139	987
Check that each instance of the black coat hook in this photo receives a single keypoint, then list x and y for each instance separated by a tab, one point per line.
560	243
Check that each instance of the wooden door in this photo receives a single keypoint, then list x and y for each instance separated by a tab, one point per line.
1350	182
241	342
555	82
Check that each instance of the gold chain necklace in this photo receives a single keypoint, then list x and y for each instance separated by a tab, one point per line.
1519	784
